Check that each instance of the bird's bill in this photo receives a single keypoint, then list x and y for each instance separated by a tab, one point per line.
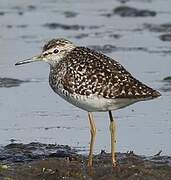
32	59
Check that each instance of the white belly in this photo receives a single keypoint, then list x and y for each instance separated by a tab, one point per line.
94	103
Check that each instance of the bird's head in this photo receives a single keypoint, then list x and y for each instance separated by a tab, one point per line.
53	52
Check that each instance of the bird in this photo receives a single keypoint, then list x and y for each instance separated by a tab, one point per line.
93	82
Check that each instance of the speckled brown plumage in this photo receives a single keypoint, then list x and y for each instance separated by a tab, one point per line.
91	81
53	43
86	72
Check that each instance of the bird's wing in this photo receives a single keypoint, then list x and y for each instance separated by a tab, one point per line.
92	73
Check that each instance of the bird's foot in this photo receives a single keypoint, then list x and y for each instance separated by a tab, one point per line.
114	164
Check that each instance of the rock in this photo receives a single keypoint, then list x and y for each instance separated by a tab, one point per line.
125	11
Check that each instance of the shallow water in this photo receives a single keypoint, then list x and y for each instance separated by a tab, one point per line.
31	111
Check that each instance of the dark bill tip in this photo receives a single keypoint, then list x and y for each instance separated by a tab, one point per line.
33	59
24	62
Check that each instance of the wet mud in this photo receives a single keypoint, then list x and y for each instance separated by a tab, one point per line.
168	78
2	13
10	82
108	48
70	14
165	37
68	27
126	11
82	35
51	161
166	27
166	84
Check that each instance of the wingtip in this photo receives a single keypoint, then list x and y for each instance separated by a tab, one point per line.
156	94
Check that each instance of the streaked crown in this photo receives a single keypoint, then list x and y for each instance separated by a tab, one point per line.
56	49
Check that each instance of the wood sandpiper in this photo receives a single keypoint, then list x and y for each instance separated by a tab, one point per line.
91	81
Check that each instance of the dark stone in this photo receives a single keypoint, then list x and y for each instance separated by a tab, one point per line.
125	11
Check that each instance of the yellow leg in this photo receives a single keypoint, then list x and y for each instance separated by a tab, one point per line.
93	134
113	140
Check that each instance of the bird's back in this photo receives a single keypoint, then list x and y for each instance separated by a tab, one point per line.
84	72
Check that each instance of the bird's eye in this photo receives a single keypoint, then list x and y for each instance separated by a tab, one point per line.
56	51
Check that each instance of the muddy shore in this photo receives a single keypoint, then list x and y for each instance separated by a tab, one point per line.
50	161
